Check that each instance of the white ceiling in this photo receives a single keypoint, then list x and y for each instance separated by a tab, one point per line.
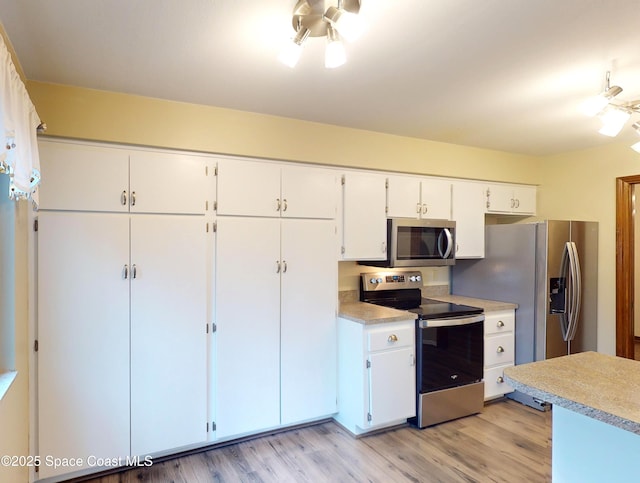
501	74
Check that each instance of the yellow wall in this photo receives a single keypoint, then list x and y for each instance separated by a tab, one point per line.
104	116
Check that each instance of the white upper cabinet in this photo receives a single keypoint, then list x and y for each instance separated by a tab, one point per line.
468	212
255	188
413	197
85	177
436	199
364	222
501	198
167	183
309	192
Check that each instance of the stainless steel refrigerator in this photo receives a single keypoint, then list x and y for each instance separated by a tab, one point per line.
550	269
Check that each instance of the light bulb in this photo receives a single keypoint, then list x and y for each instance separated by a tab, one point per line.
613	121
290	54
334	55
349	25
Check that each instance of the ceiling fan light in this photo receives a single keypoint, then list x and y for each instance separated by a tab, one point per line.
613	120
349	25
334	55
596	104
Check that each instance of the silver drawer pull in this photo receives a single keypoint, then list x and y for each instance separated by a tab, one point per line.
500	324
500	349
500	380
393	338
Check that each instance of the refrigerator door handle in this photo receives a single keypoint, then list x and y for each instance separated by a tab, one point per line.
565	321
576	289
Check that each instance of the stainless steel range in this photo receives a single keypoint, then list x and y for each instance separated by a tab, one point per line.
449	346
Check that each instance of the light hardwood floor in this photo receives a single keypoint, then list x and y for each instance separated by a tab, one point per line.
507	442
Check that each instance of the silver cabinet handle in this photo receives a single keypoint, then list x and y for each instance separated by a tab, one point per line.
500	380
123	198
125	272
500	324
393	338
284	266
418	208
133	198
424	208
284	204
513	203
500	349
278	204
134	271
517	203
277	266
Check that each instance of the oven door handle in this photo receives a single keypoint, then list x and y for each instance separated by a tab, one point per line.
450	322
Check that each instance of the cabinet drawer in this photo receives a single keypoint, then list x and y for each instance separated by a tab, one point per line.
391	337
498	350
497	322
494	384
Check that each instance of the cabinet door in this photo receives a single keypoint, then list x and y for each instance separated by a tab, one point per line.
248	188
308	322
83	335
83	178
468	212
167	183
248	320
499	198
392	386
403	197
525	197
364	230
436	199
168	337
308	192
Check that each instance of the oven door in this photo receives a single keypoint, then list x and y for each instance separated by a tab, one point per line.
450	352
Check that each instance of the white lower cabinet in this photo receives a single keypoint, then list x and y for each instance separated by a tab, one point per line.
376	374
275	344
121	361
499	351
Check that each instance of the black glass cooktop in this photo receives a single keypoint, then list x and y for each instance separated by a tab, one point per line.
435	309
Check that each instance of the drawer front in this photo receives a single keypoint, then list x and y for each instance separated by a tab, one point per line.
498	349
494	384
391	337
499	322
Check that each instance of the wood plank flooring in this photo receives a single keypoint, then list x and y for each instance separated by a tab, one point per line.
507	442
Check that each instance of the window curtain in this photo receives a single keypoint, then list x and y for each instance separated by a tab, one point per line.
18	132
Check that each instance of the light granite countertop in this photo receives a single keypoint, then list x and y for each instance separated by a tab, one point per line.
365	313
603	387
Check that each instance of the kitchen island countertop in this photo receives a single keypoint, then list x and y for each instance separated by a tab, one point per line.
603	387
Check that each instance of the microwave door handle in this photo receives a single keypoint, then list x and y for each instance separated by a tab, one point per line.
447	252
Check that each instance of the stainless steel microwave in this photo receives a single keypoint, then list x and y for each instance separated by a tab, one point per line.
418	243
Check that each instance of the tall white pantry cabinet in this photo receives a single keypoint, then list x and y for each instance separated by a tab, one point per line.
122	300
276	291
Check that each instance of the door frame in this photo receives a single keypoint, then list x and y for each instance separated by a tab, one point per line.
625	265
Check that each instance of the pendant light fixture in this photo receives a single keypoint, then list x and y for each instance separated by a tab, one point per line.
614	116
311	18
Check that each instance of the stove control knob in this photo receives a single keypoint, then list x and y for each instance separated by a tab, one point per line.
379	280
418	278
412	278
373	280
